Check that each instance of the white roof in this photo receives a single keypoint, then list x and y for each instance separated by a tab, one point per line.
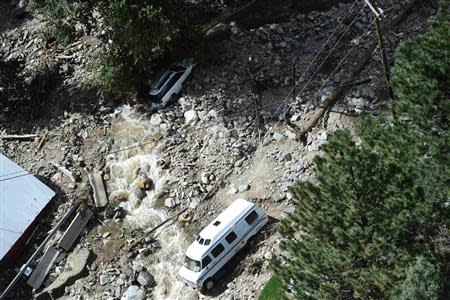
22	198
213	232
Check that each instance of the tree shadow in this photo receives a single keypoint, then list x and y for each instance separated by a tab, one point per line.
12	16
39	100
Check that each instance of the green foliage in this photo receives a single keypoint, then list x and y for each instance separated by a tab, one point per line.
273	290
382	199
138	33
422	282
421	75
351	233
422	80
57	13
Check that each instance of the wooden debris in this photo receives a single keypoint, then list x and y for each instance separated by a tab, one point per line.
73	231
64	171
98	188
42	139
43	267
19	136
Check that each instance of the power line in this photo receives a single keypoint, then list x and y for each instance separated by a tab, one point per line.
329	53
342	60
267	106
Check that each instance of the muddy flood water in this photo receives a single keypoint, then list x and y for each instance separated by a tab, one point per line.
128	128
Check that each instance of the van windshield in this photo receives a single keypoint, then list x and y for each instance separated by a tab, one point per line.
191	264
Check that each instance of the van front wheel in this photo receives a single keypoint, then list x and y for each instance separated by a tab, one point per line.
208	285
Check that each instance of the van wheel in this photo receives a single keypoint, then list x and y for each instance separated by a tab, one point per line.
251	242
208	285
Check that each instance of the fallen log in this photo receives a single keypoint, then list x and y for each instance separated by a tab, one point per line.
64	171
27	136
41	142
148	232
355	70
18	136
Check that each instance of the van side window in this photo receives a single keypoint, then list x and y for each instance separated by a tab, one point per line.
207	242
251	217
231	237
217	250
206	261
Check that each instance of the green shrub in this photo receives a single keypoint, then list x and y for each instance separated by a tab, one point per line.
58	14
137	34
422	282
273	290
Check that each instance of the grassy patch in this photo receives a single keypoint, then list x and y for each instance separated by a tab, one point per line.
273	290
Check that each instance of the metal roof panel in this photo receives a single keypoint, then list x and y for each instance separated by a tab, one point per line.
22	198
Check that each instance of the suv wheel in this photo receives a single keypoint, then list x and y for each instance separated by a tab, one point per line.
173	98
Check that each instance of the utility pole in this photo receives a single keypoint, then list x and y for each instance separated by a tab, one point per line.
377	13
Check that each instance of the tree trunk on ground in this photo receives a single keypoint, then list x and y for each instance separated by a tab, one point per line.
355	69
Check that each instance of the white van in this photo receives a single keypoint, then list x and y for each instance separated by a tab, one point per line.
219	242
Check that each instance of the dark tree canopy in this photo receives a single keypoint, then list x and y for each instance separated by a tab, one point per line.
380	199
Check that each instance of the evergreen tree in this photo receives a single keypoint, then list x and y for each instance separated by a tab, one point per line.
382	199
422	282
350	232
421	76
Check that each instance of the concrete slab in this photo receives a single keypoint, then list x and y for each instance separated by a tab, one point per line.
75	264
96	181
73	231
43	267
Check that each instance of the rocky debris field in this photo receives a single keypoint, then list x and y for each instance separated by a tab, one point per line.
225	138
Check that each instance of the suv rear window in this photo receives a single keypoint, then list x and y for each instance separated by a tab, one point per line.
251	217
162	80
170	84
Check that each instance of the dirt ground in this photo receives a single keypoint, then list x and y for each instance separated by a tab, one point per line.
224	155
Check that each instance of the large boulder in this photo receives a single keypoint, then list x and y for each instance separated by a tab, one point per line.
145	278
191	117
133	293
170	203
145	184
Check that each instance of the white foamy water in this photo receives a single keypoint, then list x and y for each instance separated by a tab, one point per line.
126	169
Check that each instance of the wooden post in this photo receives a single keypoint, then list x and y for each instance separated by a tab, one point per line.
353	71
372	6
